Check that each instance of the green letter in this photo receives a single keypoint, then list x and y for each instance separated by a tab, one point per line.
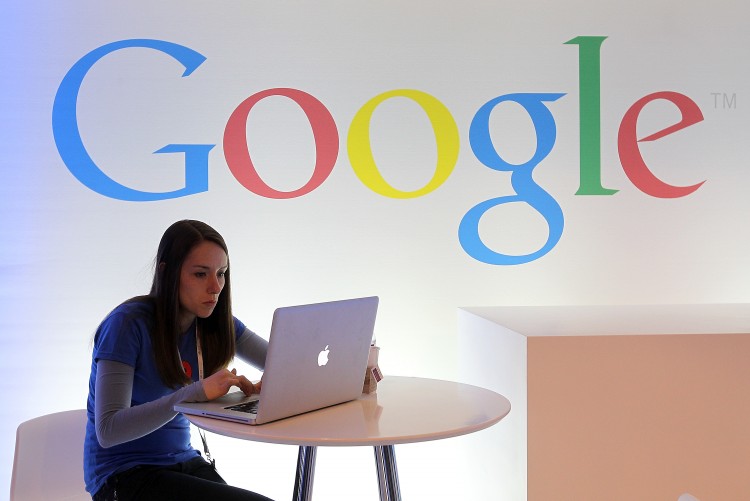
589	73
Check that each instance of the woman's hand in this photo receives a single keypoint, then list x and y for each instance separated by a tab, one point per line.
248	387
219	383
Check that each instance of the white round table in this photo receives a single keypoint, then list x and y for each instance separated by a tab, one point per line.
403	410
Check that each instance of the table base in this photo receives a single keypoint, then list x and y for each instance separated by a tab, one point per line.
385	463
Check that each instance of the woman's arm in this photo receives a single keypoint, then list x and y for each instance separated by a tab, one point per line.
252	348
118	422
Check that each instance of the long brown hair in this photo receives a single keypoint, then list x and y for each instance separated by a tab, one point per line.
216	332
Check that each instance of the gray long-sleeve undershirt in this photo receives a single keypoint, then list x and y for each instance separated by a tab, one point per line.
118	422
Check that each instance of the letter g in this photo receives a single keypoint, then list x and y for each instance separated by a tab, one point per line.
74	154
527	191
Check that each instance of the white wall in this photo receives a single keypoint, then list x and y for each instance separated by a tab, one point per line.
70	254
495	357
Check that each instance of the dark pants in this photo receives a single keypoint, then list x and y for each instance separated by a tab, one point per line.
192	480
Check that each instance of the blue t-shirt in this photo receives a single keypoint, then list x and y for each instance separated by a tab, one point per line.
124	336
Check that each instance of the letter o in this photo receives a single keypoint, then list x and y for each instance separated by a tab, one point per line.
360	149
324	132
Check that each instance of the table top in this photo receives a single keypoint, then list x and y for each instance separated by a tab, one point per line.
403	410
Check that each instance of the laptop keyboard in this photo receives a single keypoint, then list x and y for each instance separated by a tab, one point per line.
249	407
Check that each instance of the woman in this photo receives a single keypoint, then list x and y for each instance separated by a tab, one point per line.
151	352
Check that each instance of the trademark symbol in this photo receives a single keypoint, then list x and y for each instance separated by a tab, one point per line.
724	100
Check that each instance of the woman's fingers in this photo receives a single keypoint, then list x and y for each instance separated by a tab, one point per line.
221	382
247	386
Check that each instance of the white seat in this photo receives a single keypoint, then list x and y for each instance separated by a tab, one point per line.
48	462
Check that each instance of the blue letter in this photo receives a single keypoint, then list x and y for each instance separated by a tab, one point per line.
527	191
74	154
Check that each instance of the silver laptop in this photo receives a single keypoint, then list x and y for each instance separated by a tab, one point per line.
317	357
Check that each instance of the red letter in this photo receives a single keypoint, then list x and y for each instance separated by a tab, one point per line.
630	156
323	128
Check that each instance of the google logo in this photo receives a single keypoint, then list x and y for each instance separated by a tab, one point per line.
326	136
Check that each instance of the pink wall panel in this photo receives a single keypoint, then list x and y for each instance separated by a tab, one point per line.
639	417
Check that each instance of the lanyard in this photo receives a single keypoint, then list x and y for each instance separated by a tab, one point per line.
199	351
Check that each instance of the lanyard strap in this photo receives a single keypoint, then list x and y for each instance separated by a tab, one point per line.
199	352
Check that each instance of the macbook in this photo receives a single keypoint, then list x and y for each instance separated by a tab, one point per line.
317	357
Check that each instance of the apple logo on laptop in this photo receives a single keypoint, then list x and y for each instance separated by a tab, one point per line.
323	357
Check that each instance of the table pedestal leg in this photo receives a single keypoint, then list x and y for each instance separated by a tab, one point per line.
385	460
303	484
